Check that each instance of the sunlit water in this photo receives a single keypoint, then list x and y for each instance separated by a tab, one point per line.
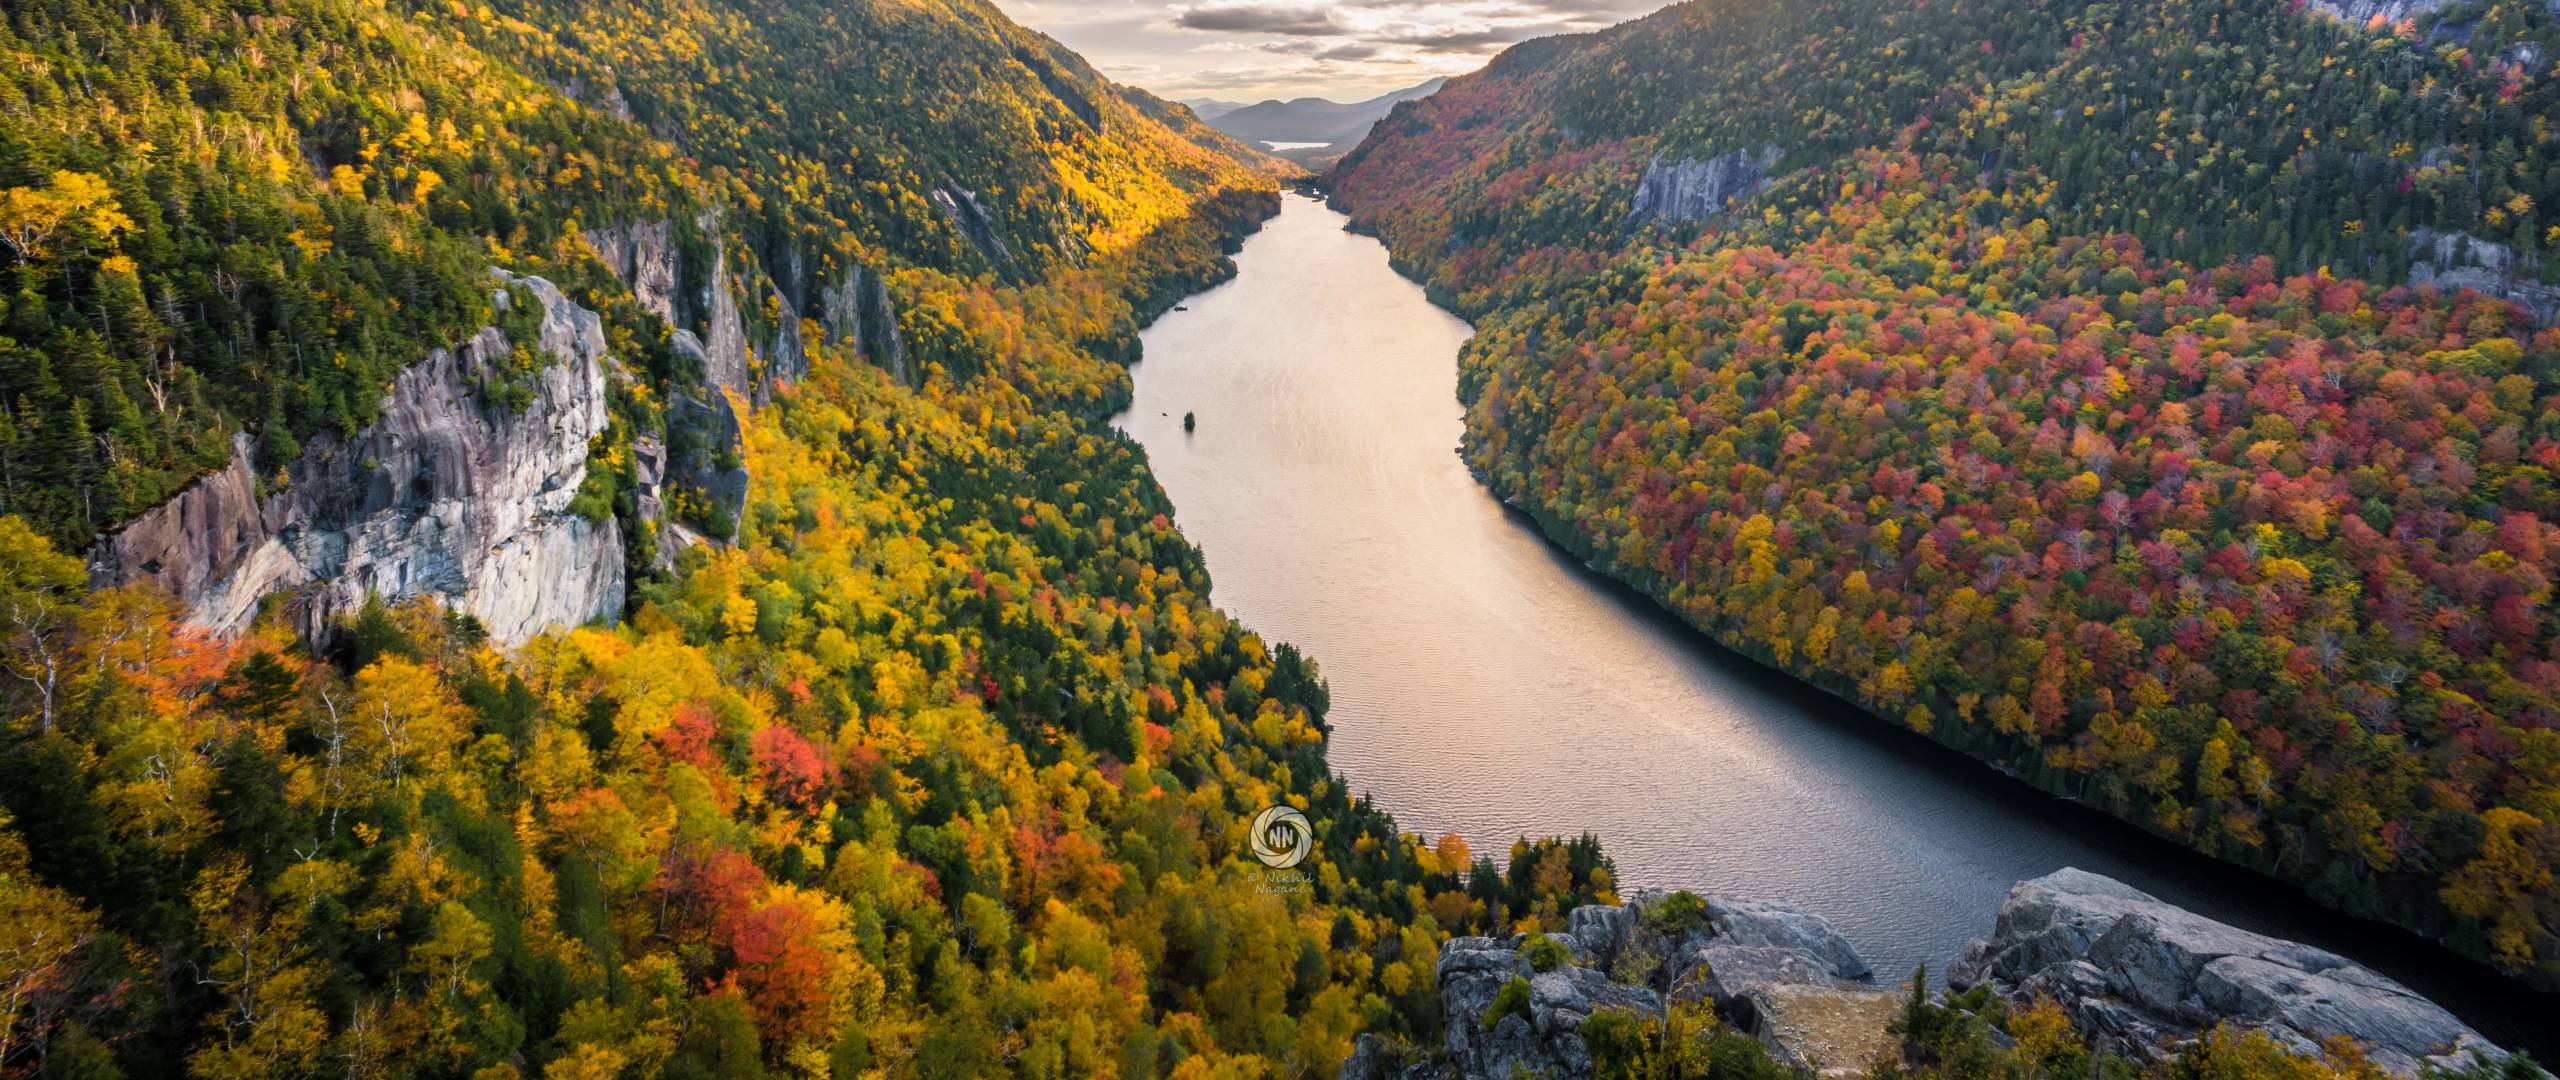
1484	683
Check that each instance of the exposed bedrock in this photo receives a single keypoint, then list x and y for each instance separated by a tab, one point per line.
2141	976
448	494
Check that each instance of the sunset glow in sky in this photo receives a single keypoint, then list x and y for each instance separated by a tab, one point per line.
1247	50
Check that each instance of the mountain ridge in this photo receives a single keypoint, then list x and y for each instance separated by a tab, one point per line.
1333	126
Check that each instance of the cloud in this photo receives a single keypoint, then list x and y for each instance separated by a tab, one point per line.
1477	39
1340	49
1612	10
1253	18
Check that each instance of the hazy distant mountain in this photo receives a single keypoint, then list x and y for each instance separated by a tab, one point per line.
1211	108
1309	129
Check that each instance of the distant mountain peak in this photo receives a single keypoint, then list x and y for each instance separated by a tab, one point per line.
1311	129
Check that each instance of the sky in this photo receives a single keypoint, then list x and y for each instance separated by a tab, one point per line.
1248	50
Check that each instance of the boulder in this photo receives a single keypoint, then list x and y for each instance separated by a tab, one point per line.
1728	972
1781	926
2141	976
1473	971
1603	931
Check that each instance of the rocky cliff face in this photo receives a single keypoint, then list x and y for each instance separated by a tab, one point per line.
857	309
722	347
1690	189
2140	976
741	366
2452	261
970	216
447	495
643	255
2360	12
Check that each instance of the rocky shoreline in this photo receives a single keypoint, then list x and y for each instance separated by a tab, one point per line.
2140	978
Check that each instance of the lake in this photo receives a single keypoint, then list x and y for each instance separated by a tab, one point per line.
1486	684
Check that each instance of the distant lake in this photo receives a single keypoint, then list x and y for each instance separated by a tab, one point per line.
1486	684
1293	145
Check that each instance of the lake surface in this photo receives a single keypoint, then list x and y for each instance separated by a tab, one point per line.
1292	145
1485	683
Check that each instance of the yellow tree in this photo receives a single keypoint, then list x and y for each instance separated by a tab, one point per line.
40	930
72	205
405	724
2500	885
39	596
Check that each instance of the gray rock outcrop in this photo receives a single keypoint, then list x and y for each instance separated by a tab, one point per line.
704	420
1752	959
857	310
787	360
1548	1040
448	495
643	255
1693	189
2455	260
2140	976
970	216
882	341
722	347
2360	12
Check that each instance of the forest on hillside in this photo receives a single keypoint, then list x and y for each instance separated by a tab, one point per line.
942	767
2060	394
933	759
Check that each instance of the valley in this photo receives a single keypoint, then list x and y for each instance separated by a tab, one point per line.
1484	682
676	538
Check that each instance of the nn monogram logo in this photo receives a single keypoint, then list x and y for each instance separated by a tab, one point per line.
1281	837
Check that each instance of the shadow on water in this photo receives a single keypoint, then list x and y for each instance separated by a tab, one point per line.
2508	1012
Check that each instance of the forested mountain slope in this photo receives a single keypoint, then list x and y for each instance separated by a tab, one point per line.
920	748
2085	385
